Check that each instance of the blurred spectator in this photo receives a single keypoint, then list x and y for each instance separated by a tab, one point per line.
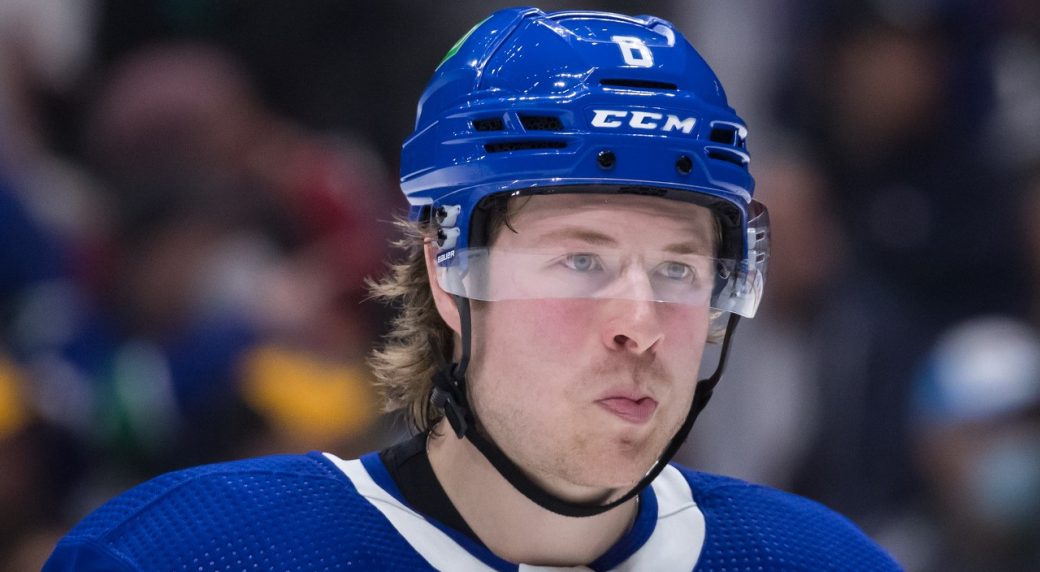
977	430
975	420
238	233
894	101
217	312
184	116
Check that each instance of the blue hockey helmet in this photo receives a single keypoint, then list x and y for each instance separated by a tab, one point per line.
567	102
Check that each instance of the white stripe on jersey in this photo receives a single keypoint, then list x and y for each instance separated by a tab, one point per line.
679	535
430	542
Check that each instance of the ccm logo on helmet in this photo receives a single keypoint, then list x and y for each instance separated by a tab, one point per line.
645	120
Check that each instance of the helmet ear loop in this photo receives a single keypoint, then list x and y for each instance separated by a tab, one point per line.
449	382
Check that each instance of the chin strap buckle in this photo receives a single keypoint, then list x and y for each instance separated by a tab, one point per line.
448	397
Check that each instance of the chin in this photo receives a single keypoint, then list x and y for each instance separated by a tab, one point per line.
616	470
628	458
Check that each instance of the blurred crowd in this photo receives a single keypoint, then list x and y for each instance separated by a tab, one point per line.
193	192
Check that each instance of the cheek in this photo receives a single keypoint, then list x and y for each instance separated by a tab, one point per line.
523	351
681	350
685	327
542	327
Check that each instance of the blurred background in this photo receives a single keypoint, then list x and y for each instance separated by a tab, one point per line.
192	192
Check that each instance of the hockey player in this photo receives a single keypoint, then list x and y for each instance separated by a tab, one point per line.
582	224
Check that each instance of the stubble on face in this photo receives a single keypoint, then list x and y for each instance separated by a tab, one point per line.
543	391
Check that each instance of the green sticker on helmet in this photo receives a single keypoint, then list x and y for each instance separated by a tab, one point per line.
455	49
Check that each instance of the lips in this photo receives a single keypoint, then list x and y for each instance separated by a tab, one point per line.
631	409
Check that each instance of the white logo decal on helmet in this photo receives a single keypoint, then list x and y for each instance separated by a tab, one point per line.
611	119
634	51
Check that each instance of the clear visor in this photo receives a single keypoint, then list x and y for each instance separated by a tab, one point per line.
495	274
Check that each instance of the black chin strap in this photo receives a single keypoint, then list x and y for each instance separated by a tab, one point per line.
449	395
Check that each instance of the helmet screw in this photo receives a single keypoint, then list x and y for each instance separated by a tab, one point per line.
606	159
684	165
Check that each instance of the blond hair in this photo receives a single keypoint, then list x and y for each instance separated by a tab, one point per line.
418	341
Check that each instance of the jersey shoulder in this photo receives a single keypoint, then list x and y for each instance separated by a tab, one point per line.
754	527
279	512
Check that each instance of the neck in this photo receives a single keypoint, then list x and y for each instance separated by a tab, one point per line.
499	511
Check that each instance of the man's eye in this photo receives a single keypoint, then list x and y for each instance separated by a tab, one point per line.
676	271
582	262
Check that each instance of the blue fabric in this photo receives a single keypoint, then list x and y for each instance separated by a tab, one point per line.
295	513
756	528
301	513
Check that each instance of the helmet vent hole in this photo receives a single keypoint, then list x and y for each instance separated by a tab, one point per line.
728	156
522	146
728	135
639	84
541	123
489	124
724	135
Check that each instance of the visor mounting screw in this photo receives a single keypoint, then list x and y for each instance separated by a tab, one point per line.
606	159
447	215
684	165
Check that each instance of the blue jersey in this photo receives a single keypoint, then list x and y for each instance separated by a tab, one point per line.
317	512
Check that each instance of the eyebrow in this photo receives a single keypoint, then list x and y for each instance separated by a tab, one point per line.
692	247
575	233
596	238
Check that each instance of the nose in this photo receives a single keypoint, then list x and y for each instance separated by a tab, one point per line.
631	321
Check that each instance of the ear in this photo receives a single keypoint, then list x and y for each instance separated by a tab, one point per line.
444	301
